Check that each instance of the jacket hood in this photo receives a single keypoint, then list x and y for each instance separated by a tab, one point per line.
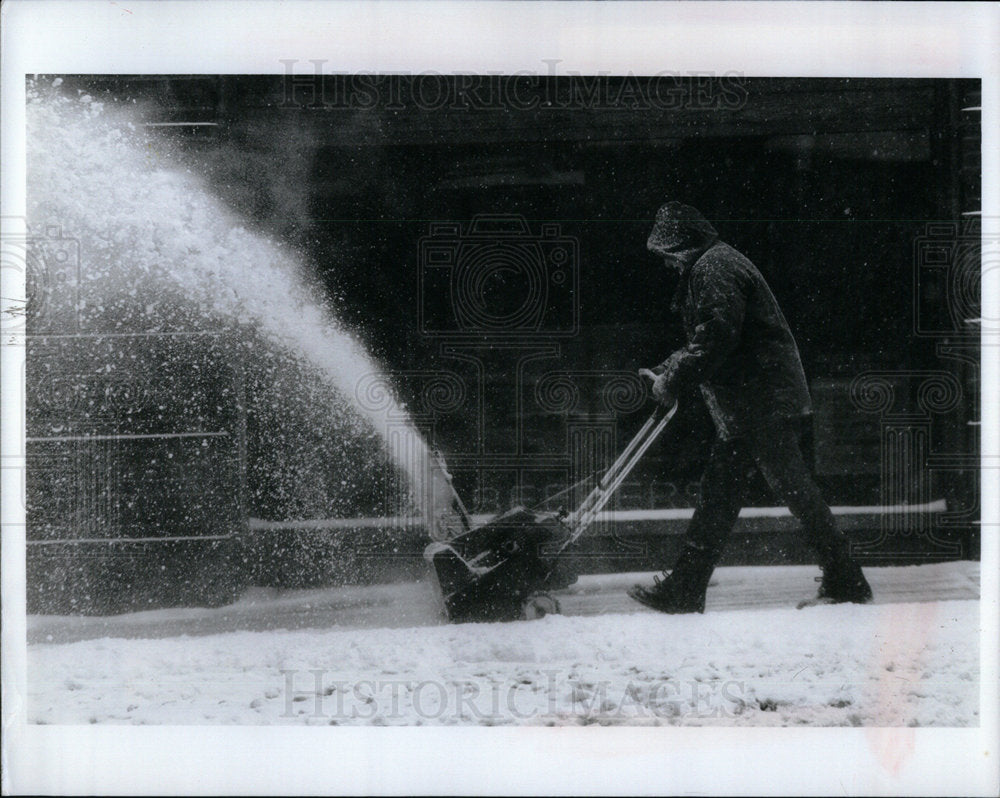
682	233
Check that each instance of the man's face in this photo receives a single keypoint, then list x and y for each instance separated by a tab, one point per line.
672	262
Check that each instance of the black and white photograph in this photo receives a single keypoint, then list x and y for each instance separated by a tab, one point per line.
356	392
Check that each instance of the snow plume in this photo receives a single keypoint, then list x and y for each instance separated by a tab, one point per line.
159	254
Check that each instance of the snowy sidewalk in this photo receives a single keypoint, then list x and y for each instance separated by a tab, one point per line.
896	665
887	664
416	604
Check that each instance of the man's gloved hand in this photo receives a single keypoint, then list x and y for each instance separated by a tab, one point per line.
660	392
659	389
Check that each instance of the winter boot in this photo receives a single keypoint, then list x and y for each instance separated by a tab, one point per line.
683	589
842	582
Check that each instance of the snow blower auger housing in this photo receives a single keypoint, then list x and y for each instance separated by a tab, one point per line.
503	570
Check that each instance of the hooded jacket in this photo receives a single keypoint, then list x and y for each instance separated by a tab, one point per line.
740	351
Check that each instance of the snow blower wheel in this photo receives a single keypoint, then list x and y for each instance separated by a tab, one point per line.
540	605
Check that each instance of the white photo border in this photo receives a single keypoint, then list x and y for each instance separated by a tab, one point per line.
822	39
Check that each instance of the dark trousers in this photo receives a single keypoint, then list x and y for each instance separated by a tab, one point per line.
774	450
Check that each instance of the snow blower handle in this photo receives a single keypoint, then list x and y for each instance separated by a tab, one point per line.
584	515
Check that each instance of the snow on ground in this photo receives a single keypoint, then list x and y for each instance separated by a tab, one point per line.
885	664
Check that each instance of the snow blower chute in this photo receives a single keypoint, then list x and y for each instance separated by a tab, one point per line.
502	570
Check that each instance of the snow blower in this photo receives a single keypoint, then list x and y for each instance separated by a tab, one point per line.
503	570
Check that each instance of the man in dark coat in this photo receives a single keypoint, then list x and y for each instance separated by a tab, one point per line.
743	358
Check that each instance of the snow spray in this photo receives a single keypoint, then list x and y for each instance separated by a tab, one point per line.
158	251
